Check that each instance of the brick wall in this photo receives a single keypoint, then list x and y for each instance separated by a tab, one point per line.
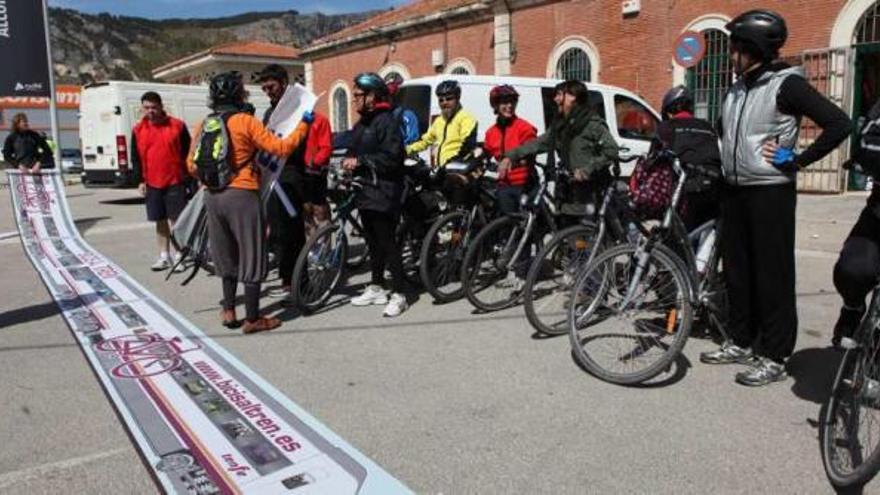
634	52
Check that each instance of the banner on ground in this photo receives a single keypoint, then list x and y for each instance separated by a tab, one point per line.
24	63
202	421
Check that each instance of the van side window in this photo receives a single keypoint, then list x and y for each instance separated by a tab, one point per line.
595	100
634	121
418	99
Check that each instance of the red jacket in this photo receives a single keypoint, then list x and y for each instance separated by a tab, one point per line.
319	144
501	139
160	150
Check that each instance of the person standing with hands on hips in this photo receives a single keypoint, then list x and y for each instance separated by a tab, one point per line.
760	121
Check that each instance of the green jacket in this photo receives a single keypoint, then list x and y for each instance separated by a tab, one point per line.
582	141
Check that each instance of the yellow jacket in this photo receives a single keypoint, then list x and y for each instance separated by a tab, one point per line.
452	140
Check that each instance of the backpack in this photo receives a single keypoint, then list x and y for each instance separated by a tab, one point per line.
652	185
867	151
213	152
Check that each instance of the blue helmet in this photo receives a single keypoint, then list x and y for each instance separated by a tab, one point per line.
371	82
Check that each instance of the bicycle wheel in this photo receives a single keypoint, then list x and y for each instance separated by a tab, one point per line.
627	324
319	268
358	253
552	275
443	251
850	426
410	248
488	284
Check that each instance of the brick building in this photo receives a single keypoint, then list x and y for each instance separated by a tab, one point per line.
247	57
623	43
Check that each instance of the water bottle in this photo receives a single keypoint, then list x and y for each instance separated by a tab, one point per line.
632	233
705	250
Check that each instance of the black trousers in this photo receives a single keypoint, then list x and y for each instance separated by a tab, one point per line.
759	265
379	230
287	235
858	267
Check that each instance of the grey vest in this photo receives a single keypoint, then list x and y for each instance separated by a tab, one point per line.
751	118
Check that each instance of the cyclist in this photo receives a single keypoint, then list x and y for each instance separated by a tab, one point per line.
581	139
695	142
858	267
760	120
377	152
508	133
234	212
454	133
409	123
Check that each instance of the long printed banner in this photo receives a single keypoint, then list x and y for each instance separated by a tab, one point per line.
203	421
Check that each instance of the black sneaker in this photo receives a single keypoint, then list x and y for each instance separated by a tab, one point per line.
728	354
763	371
846	325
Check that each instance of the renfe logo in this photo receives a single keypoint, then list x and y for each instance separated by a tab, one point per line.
4	19
234	467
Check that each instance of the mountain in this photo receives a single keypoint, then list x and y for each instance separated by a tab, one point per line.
105	46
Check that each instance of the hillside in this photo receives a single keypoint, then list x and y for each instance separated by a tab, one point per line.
104	46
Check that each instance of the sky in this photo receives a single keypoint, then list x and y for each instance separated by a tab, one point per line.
162	9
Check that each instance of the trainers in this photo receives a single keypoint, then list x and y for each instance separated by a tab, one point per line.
396	305
280	292
162	263
373	294
727	354
261	325
763	371
178	264
847	323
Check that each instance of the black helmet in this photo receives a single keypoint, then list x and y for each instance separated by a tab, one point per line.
763	29
370	82
448	87
677	95
227	87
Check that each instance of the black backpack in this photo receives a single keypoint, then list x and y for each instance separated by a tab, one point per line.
213	153
867	150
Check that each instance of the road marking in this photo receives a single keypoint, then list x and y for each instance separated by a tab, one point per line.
22	476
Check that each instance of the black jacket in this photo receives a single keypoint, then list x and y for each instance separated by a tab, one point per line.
695	142
377	143
26	148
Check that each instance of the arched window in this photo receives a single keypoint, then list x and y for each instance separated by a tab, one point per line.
709	80
340	109
461	71
868	29
461	67
390	73
574	63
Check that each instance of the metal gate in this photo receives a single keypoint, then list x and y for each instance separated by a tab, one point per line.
830	72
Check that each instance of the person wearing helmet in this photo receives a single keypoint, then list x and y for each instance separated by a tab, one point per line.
409	122
303	180
234	210
695	142
509	132
581	139
377	155
760	121
453	134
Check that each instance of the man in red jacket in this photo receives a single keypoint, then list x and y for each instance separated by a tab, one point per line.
509	132
159	144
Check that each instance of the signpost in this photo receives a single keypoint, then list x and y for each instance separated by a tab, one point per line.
690	47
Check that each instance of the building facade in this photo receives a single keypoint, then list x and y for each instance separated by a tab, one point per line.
247	57
628	44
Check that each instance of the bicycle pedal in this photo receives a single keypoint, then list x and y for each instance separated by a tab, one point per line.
848	343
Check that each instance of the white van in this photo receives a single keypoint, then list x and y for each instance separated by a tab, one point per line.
109	110
632	122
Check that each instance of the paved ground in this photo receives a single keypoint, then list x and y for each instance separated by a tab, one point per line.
447	401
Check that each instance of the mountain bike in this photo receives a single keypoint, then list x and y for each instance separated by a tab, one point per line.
632	309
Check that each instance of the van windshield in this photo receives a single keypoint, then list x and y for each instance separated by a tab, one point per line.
418	99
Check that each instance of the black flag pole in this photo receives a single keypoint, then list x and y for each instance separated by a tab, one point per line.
53	108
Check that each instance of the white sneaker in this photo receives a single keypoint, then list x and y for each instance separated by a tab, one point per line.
396	305
280	292
373	294
162	263
178	266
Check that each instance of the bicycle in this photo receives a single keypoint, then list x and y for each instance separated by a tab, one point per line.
325	255
445	244
497	261
653	287
422	205
849	431
545	297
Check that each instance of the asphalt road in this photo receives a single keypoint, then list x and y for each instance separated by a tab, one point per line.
445	400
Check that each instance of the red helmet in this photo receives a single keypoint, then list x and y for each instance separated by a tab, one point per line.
500	94
393	80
